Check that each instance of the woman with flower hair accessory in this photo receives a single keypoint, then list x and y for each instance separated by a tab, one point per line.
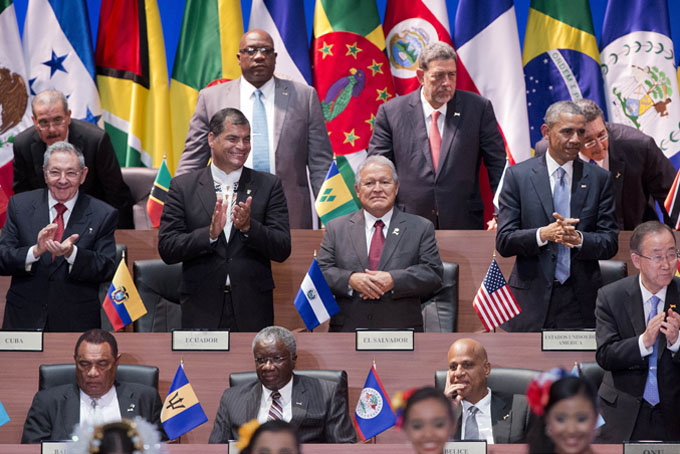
429	420
566	410
136	436
273	437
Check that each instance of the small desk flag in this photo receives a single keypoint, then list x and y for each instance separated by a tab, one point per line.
374	413
4	417
123	305
159	192
315	301
182	411
494	302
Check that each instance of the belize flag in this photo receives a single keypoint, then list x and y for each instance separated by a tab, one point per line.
373	414
58	53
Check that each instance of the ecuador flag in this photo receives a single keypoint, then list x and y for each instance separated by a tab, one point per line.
123	305
182	411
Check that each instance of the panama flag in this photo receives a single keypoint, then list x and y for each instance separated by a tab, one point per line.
284	20
638	64
59	55
489	29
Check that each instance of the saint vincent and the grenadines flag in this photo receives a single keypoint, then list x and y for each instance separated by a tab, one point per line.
122	304
182	411
336	196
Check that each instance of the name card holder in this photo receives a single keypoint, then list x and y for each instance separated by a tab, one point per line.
650	447
21	341
200	341
580	340
54	447
385	340
465	447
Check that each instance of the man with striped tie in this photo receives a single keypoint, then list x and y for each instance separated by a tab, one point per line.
317	409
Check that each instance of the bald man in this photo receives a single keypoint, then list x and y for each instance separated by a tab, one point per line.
487	415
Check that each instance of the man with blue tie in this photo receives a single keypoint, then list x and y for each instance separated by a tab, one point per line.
557	216
638	340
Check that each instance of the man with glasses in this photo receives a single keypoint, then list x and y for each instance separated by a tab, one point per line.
52	123
641	172
58	246
289	133
317	409
638	341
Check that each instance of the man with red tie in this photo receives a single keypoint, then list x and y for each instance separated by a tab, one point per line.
379	261
58	246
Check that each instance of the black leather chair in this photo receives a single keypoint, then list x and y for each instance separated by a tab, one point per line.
440	311
335	376
613	270
139	180
592	372
51	375
501	379
104	287
158	286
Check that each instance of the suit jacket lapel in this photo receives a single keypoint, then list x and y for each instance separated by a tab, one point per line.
580	185
450	129
126	402
393	236
636	311
617	167
252	401
38	148
541	182
298	402
71	408
419	128
500	421
671	300
357	236
245	189
281	99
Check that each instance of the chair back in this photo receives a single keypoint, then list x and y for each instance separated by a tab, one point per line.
592	371
140	181
612	270
501	379
51	375
158	286
440	311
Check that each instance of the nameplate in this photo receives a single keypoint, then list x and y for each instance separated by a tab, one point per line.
394	340
641	447
200	340
465	447
21	341
55	447
568	341
233	449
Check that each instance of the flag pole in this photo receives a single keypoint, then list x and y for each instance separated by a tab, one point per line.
312	330
494	258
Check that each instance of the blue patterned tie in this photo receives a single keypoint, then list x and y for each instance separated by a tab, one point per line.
561	205
651	393
593	162
260	135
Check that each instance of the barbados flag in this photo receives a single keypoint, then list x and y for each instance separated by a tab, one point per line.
123	305
315	301
336	196
561	59
182	411
374	413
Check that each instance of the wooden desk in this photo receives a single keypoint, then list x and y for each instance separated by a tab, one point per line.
208	371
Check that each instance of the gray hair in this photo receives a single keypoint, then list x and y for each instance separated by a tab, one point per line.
644	229
378	160
590	109
49	97
276	333
436	51
552	115
63	147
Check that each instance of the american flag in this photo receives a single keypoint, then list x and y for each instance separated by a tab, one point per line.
494	301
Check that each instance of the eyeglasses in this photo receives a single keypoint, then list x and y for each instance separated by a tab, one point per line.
592	143
45	124
69	174
277	360
657	259
252	51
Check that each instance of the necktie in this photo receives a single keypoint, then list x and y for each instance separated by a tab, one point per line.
275	411
435	139
260	135
561	205
471	428
651	393
593	162
377	243
95	414
59	220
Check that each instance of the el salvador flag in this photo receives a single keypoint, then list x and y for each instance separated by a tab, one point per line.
58	53
314	300
284	20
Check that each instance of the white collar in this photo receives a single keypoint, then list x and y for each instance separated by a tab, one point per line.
553	165
51	201
224	177
427	107
646	294
484	404
370	219
267	88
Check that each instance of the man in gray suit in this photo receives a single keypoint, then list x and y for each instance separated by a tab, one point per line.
317	409
379	261
288	126
95	398
489	415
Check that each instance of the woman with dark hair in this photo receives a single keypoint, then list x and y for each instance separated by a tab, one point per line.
136	436
567	415
428	420
273	437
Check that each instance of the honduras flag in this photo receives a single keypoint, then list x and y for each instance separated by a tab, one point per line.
284	20
374	413
59	56
314	300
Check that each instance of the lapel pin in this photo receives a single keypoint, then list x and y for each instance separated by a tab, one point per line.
248	191
506	416
131	408
298	403
456	114
618	174
90	229
583	186
395	231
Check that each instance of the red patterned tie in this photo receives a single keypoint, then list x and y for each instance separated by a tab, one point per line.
275	411
377	243
435	139
59	220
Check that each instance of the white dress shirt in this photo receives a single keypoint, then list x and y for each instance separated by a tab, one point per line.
226	187
107	410
247	96
604	162
647	304
483	417
51	202
427	111
285	400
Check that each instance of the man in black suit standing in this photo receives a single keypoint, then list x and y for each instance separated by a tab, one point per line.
640	171
439	160
52	123
557	216
317	409
225	223
58	246
638	341
489	415
95	398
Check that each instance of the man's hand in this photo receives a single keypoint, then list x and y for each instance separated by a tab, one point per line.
551	232
492	224
219	219
652	331
45	235
366	285
451	388
240	215
383	279
570	237
64	248
671	326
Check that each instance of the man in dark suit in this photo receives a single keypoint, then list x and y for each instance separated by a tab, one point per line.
53	123
95	398
439	160
58	246
317	409
225	223
379	261
489	415
640	171
638	340
557	216
296	138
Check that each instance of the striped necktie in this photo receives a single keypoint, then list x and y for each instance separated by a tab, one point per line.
275	411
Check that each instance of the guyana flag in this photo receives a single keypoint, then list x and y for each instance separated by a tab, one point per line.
206	53
159	192
351	74
132	77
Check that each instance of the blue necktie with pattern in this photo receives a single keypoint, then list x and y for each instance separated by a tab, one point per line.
651	393
561	206
260	135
